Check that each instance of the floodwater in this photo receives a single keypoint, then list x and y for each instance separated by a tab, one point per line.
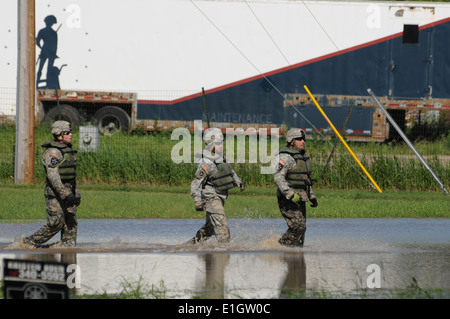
341	258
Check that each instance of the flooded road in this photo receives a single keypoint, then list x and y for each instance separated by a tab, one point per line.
341	257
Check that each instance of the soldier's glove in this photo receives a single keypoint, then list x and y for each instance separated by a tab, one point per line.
198	206
70	200
242	186
77	201
314	202
295	198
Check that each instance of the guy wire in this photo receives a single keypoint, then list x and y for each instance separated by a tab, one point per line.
296	72
270	82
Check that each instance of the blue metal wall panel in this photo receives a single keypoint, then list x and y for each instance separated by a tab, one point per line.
345	74
440	77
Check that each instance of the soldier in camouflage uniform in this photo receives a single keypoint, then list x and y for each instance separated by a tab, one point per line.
293	178
61	192
209	189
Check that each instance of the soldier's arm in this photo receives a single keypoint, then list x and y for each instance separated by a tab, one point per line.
203	171
77	193
282	167
38	39
311	194
77	190
236	178
52	159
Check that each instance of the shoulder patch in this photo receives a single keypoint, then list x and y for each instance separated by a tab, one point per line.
202	172
54	160
280	165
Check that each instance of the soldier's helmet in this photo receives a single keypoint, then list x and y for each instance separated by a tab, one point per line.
294	133
61	126
50	20
213	135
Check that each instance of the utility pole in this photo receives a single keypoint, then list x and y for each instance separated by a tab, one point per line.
25	98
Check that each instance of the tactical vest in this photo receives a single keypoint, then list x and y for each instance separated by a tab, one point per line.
68	166
300	175
223	179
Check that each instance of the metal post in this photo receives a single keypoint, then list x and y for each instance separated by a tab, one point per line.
206	107
342	140
399	130
336	142
25	99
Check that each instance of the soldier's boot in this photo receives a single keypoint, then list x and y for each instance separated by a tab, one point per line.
292	238
192	241
69	231
69	243
68	237
202	235
285	242
223	234
27	242
60	244
223	240
291	242
197	239
301	240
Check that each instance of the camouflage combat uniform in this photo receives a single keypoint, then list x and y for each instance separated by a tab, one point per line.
293	176
62	195
209	189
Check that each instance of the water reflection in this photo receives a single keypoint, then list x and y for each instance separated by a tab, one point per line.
295	282
214	286
334	260
68	258
208	275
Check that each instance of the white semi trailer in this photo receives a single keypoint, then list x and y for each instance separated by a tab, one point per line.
129	64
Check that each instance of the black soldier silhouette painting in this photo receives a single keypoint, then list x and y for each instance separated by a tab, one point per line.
47	41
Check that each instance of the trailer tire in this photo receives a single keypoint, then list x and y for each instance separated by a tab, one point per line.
68	113
111	119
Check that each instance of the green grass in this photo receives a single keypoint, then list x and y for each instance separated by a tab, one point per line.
27	202
132	176
141	290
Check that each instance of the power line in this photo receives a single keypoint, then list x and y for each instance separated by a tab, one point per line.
301	81
337	48
237	49
263	75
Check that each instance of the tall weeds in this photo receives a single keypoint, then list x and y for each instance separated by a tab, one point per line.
145	159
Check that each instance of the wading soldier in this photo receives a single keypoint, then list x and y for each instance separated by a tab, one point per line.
209	189
293	178
61	192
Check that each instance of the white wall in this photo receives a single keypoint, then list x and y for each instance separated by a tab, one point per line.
169	46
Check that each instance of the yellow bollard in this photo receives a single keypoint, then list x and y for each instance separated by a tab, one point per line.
340	137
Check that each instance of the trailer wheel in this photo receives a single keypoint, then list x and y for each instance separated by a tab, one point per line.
111	119
65	113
